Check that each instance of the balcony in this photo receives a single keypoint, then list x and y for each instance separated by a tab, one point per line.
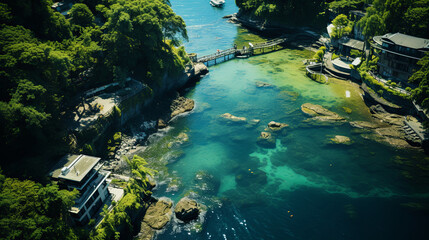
91	188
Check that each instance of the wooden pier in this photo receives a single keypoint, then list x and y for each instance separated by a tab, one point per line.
231	53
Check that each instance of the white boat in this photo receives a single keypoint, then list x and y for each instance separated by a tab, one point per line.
217	3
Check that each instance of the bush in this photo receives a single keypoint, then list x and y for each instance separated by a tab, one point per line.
334	56
117	137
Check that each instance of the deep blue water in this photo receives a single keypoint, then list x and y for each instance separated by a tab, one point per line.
304	188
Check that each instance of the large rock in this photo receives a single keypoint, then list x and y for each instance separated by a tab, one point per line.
320	113
187	209
266	140
232	118
181	105
161	124
159	213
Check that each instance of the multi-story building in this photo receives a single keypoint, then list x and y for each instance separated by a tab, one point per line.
399	54
83	173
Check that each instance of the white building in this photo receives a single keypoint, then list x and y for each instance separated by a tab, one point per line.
83	173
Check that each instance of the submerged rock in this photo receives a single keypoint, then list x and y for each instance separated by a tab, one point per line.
320	116
248	177
159	213
233	118
266	140
187	209
320	113
363	125
260	84
206	183
338	139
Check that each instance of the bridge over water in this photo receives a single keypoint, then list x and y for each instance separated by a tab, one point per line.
231	53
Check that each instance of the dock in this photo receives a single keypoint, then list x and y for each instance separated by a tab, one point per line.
231	53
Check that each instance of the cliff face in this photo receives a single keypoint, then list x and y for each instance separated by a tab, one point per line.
170	83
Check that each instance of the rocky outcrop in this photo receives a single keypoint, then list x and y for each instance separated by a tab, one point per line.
338	139
320	113
158	214
181	105
161	124
263	85
232	118
187	209
266	140
276	127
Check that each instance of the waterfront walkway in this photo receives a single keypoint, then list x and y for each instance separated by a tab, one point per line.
231	53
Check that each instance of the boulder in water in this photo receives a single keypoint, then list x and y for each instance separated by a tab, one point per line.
187	209
338	139
161	124
232	118
181	105
276	127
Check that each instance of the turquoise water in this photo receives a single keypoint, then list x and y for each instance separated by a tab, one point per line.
303	188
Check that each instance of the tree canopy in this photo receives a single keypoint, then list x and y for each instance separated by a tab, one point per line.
31	211
81	15
409	17
341	26
47	61
421	78
289	12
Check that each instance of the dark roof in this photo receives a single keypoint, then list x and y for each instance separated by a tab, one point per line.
74	167
406	40
353	43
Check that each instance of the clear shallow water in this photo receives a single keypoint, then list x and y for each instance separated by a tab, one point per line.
303	188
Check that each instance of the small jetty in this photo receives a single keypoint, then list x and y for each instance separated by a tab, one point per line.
245	52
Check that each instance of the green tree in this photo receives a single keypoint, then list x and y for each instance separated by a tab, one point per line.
136	39
31	211
81	15
341	26
421	78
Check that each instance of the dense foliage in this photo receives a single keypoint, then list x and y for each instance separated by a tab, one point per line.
48	61
118	222
341	26
345	6
290	12
31	211
421	78
405	16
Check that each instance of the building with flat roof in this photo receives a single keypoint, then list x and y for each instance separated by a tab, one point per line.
83	173
399	54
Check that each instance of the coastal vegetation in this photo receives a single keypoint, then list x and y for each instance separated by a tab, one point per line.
288	12
119	220
408	17
30	210
421	78
48	61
